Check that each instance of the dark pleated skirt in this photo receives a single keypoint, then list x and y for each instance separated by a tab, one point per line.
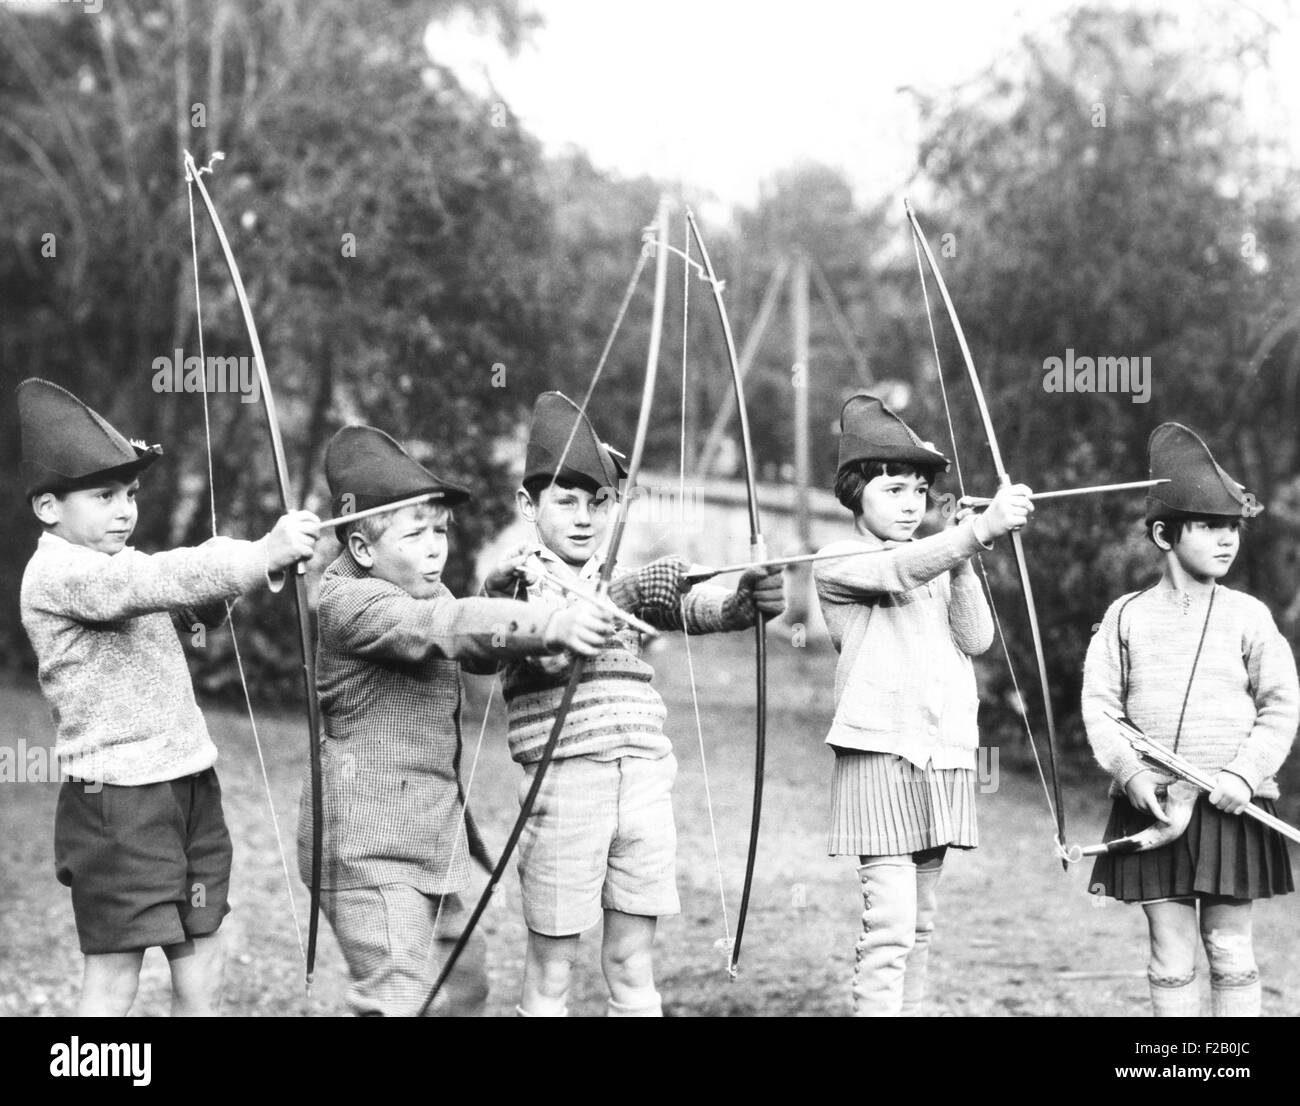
1220	854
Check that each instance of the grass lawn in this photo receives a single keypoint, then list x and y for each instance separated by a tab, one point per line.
1016	936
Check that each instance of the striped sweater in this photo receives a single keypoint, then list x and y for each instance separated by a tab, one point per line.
615	710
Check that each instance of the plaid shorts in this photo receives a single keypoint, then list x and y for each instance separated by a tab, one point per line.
601	837
147	865
387	937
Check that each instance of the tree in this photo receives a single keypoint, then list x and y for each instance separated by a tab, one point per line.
392	229
1105	195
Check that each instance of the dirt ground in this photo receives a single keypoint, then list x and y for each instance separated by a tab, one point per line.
1016	937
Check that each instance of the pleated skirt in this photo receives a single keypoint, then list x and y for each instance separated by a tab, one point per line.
1221	854
883	805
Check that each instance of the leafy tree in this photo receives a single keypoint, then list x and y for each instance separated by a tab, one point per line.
1106	195
392	229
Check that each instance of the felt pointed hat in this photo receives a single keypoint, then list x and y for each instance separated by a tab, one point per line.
66	445
587	461
870	431
1197	485
366	468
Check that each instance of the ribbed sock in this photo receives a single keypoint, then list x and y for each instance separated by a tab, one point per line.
557	1012
649	1005
1174	997
1235	995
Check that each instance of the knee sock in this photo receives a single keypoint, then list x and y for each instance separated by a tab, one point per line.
559	1010
1234	976
927	906
1174	996
644	1004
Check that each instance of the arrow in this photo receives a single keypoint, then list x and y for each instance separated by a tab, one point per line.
984	501
699	573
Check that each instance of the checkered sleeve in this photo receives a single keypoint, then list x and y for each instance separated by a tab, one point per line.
654	593
653	588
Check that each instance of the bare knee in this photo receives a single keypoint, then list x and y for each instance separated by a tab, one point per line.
628	967
627	955
1230	954
547	972
1228	940
197	968
1173	940
110	984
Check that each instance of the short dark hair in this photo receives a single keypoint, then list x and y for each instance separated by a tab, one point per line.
1174	527
856	475
534	484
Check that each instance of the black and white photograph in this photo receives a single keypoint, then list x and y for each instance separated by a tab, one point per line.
549	508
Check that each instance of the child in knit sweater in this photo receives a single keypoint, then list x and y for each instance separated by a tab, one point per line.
906	617
601	837
1200	668
139	834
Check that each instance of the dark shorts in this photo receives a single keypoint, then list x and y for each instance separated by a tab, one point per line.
147	865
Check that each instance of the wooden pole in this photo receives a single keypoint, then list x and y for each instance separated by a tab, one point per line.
800	378
727	408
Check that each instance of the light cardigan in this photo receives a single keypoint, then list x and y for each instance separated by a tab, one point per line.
906	630
109	660
1244	704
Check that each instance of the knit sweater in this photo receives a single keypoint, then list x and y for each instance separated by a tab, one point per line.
1244	702
615	712
906	618
109	661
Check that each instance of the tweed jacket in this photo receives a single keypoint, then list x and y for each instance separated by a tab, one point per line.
388	674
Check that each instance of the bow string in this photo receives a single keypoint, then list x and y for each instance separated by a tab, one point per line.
194	178
758	551
1053	794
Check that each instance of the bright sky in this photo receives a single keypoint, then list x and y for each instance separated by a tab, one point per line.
722	93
